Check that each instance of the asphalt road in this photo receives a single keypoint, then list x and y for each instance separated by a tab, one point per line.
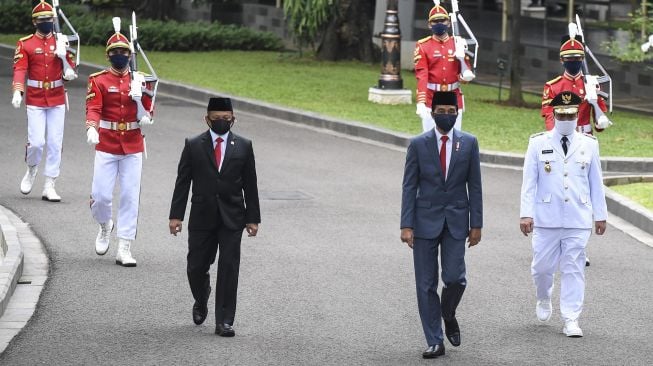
326	282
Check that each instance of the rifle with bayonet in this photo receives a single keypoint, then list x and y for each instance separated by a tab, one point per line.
462	44
138	79
593	82
63	42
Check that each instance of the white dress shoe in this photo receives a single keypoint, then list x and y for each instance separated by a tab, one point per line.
28	180
124	255
49	194
543	309
102	240
572	329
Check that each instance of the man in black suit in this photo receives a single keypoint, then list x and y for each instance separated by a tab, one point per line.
220	166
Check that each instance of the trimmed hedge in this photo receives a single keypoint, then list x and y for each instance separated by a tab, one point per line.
153	35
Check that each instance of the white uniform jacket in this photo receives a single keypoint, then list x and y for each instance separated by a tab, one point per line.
561	191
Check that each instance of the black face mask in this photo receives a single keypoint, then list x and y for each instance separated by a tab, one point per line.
573	67
45	27
445	121
221	125
119	61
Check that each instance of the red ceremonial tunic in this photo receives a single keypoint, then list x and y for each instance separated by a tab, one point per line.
575	85
35	59
435	63
108	100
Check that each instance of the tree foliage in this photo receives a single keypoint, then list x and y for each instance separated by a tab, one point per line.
307	18
631	51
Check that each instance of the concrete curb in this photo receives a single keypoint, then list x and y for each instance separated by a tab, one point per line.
11	261
636	214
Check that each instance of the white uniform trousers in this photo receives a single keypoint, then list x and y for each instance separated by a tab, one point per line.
555	248
428	123
127	168
42	123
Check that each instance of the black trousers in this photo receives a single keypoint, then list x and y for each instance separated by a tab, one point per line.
202	249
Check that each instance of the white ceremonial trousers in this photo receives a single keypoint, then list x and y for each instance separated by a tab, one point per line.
562	249
42	123
127	169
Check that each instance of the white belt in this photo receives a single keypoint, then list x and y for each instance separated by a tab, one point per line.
443	87
119	126
44	84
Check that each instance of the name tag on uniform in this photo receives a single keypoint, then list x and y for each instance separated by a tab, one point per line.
547	151
113	89
38	51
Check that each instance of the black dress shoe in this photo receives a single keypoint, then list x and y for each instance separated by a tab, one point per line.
201	310
452	331
224	330
433	351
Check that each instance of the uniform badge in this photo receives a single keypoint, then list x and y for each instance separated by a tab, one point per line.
51	48
547	167
582	91
113	89
38	51
450	52
547	152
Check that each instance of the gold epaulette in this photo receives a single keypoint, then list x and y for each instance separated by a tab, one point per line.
553	81
538	134
97	73
425	39
590	136
26	37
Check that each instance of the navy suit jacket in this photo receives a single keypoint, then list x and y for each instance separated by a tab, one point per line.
428	199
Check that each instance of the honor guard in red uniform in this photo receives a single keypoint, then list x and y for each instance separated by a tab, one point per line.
437	68
572	54
39	75
112	126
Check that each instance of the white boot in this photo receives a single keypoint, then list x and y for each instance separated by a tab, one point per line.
49	194
124	255
28	180
102	239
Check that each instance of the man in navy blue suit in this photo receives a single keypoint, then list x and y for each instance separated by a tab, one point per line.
441	206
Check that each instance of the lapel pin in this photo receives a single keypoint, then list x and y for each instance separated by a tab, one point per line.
232	142
458	145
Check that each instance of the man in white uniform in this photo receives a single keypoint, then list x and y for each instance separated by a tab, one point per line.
562	193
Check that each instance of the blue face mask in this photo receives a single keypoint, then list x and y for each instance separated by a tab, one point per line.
119	61
573	67
45	27
439	29
444	121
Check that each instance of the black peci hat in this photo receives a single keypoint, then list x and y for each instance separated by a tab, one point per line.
444	98
219	104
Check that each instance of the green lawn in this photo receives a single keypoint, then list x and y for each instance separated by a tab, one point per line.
340	90
641	193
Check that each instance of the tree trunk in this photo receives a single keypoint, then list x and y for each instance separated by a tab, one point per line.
349	34
516	97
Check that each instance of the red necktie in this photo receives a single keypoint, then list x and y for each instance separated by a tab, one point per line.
443	155
218	151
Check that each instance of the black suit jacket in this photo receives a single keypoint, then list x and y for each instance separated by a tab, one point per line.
231	193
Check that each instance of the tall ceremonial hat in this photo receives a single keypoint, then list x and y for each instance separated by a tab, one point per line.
219	104
117	40
438	12
566	103
444	98
42	10
572	47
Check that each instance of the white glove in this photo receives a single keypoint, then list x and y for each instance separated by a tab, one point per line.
136	86
591	88
69	73
422	110
467	75
17	98
146	120
92	137
603	122
461	47
62	47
